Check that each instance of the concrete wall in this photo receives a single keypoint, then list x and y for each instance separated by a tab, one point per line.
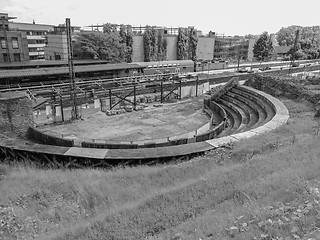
16	113
205	48
172	47
57	46
250	49
137	49
204	51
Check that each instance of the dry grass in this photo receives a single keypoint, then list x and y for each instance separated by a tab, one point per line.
195	199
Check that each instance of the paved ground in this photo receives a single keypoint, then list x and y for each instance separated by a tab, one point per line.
170	119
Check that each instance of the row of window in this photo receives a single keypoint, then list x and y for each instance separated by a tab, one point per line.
14	41
164	65
32	41
16	57
38	57
39	49
36	33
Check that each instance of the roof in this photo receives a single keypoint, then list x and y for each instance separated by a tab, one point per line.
30	26
41	63
181	62
281	49
64	70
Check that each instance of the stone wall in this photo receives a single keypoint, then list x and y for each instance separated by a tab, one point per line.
16	113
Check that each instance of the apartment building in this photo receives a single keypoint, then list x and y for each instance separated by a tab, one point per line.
14	44
36	35
232	48
57	47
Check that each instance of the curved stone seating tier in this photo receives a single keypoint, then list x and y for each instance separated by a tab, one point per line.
233	115
252	113
239	111
247	104
260	113
257	98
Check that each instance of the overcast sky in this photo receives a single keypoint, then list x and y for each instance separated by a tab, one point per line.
229	17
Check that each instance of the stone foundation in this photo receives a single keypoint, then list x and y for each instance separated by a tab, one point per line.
16	113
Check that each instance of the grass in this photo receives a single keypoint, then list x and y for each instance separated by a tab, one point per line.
190	200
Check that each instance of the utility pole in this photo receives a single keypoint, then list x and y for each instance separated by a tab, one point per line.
294	50
239	52
74	107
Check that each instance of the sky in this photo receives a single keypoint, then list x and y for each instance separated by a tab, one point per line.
228	17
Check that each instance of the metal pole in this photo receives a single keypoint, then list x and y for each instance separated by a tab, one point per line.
110	99
294	50
238	58
62	115
74	109
134	96
197	86
161	92
180	89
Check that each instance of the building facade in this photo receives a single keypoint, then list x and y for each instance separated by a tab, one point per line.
36	35
57	45
232	48
205	46
14	44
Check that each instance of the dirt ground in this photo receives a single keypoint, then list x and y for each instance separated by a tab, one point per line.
170	119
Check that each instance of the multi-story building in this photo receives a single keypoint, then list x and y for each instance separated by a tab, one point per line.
232	48
14	44
57	47
36	35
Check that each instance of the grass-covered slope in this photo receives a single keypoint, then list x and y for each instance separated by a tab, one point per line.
246	190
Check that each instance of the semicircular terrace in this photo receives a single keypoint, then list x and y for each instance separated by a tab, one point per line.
244	112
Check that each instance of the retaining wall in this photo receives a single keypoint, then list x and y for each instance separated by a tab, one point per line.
210	132
16	113
48	138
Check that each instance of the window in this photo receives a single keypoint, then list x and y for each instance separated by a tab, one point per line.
5	57
15	44
3	43
16	57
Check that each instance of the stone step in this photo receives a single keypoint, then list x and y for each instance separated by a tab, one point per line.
268	108
256	115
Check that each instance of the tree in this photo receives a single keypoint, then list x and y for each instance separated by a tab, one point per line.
155	45
182	45
286	36
125	37
298	53
187	44
148	43
308	40
162	46
104	46
263	47
193	44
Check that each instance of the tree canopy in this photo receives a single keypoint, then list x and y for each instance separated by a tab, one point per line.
187	44
111	45
103	46
308	41
263	47
155	45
